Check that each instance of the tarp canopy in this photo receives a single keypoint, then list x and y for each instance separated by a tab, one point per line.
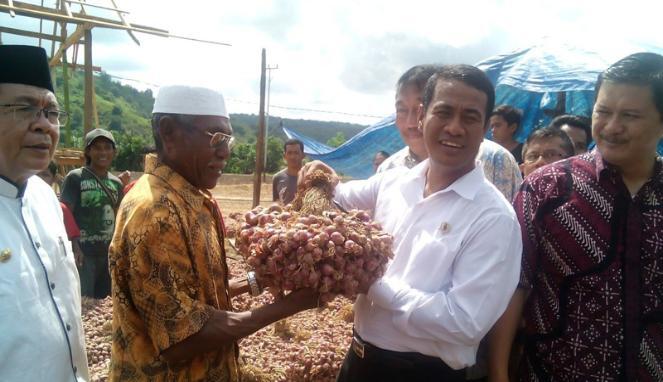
354	158
549	79
311	146
545	80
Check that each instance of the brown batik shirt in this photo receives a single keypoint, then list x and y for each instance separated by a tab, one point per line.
169	274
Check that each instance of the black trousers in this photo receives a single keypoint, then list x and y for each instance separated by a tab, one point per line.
385	366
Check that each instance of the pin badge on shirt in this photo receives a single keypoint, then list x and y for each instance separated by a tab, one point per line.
445	227
5	254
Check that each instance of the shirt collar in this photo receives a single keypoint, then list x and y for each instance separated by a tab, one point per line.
466	186
602	167
193	196
606	169
10	189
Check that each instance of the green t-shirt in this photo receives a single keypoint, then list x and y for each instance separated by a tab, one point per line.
92	208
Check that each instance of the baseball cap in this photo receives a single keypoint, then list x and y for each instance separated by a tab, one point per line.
98	133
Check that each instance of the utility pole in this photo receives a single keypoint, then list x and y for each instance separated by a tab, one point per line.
269	86
260	144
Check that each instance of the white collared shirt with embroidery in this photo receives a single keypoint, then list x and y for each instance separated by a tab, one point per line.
41	332
456	264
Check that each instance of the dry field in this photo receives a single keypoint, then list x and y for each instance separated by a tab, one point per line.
235	193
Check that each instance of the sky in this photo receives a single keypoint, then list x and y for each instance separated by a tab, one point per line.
340	59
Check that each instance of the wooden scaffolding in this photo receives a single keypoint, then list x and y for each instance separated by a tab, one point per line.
81	15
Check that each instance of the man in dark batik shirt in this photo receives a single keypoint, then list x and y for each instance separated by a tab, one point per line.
591	290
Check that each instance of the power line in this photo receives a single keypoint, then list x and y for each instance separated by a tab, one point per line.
132	80
271	106
311	110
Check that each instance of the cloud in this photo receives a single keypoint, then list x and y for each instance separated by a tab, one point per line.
373	65
279	20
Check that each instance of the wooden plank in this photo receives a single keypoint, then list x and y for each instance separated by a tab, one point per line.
125	22
41	25
72	39
88	119
68	136
260	144
20	32
98	6
30	10
66	8
11	4
55	29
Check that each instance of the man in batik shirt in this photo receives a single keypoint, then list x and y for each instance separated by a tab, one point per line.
591	290
172	315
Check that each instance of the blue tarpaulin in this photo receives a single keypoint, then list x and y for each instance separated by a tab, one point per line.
311	146
355	157
543	81
549	79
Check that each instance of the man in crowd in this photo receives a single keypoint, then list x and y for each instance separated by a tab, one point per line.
379	157
545	146
93	194
499	166
590	289
504	123
73	233
456	242
578	128
172	313
41	333
284	182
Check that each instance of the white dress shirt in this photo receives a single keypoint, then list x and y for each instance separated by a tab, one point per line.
456	264
41	332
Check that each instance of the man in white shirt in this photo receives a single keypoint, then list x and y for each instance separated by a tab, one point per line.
41	333
457	244
499	166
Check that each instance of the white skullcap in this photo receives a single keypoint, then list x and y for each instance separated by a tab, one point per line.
189	100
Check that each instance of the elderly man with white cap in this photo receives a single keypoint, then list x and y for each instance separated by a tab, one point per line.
172	314
41	334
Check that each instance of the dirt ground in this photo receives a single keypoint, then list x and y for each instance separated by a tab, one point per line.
236	194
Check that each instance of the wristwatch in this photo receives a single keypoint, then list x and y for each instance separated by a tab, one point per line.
253	283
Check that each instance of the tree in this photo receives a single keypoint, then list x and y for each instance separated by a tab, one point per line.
336	140
130	152
242	159
274	155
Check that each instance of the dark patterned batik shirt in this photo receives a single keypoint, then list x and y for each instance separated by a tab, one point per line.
169	274
593	261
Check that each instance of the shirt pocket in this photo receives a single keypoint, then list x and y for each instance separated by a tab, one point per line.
431	261
63	259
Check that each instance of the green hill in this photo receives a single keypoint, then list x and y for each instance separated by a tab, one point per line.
126	111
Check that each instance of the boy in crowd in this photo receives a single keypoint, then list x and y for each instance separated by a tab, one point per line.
93	194
504	122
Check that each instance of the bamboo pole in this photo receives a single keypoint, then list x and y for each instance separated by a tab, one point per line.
89	84
29	10
65	85
260	144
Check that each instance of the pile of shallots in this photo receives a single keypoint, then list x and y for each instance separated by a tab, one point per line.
97	323
334	252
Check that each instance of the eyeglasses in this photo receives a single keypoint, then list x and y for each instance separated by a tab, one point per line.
218	140
32	113
550	155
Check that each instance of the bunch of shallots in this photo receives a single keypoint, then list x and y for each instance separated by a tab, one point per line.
332	253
